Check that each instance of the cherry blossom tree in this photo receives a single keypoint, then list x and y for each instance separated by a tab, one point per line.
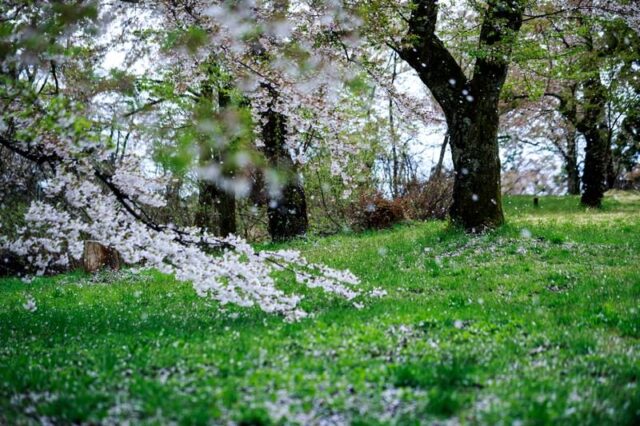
85	195
469	104
578	62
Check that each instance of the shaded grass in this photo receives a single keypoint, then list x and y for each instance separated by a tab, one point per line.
538	322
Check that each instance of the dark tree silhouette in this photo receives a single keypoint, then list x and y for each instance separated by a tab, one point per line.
594	128
470	105
287	207
216	205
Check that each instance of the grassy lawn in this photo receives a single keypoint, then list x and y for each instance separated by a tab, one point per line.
537	323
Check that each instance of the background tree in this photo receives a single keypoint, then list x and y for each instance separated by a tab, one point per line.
573	60
217	203
287	203
470	105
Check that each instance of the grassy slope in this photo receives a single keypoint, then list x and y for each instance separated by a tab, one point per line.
500	328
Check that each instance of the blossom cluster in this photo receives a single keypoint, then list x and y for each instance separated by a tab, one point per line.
80	204
282	59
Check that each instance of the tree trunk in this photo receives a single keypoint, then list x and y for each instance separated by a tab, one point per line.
443	148
287	205
470	106
612	176
571	166
595	168
96	256
395	163
594	129
217	205
477	196
227	213
288	213
569	109
174	211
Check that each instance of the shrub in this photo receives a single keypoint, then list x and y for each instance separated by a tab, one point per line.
429	200
373	211
422	200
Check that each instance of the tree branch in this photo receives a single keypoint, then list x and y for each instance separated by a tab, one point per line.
427	54
501	22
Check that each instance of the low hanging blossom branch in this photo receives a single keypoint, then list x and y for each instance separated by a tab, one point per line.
81	201
85	196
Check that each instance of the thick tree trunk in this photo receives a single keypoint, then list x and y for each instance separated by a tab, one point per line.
175	211
96	256
594	129
288	213
477	196
217	206
470	106
287	205
205	218
227	213
595	168
568	109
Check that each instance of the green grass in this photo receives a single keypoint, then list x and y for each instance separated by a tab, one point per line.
537	323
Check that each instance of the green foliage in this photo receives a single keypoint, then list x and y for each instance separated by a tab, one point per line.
180	156
191	38
358	85
41	25
536	327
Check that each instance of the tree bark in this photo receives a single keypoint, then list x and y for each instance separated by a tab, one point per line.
443	148
287	205
477	195
470	106
395	163
573	178
594	129
612	176
571	166
216	204
568	108
225	200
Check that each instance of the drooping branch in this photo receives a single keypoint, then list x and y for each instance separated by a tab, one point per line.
35	157
130	205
